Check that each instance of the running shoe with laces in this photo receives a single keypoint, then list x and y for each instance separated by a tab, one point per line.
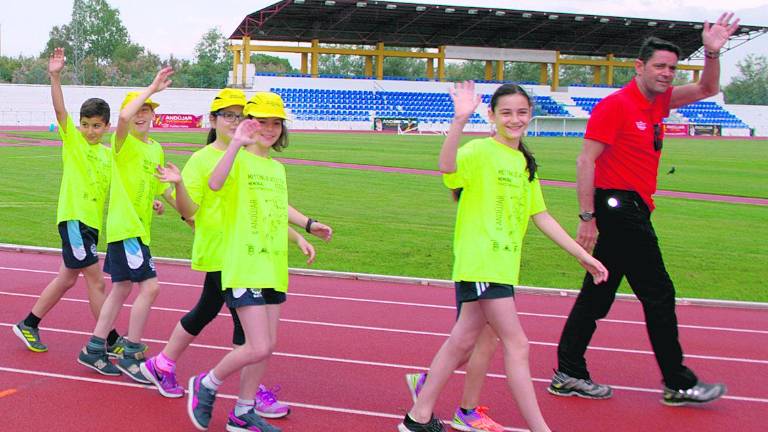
409	425
249	422
699	394
200	401
132	368
476	420
164	381
30	336
415	383
98	361
267	405
565	385
117	349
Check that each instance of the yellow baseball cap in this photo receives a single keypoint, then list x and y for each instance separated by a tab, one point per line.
133	95
264	105
228	97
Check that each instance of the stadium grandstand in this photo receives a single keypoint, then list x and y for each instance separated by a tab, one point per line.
435	34
438	33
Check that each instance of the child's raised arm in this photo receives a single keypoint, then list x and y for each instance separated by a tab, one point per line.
549	226
55	65
465	102
170	173
243	136
160	83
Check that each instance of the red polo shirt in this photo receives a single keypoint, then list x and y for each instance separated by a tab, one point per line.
624	121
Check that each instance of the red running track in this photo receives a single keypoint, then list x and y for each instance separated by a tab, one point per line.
344	346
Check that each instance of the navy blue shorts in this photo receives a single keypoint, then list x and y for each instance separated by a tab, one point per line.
239	297
474	291
78	244
129	259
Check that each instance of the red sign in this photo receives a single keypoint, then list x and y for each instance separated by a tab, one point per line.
177	121
676	129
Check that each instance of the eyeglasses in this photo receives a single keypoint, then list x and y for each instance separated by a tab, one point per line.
658	137
229	116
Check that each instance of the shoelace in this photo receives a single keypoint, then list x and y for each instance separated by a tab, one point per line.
484	421
268	397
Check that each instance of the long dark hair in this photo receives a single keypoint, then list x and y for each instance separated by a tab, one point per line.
212	133
530	161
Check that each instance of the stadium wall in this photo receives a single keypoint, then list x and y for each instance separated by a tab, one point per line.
756	116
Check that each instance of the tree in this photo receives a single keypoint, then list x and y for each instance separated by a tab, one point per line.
750	87
212	61
269	63
9	65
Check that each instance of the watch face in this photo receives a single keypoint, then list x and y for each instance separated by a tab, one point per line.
586	216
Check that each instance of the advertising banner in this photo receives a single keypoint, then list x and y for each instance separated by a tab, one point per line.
177	121
676	129
708	130
396	124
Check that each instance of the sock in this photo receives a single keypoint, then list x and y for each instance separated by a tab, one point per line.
165	364
211	382
243	406
96	345
112	337
31	320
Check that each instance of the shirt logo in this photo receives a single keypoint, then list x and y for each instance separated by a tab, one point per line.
641	125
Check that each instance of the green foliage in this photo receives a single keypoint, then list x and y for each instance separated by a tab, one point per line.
465	70
8	66
269	63
750	87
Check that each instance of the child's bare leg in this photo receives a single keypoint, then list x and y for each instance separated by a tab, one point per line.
477	367
178	342
53	292
502	316
148	291
257	347
111	308
251	375
94	279
453	352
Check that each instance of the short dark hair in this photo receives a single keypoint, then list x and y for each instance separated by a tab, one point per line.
95	107
653	44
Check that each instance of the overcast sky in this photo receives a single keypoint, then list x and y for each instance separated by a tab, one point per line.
174	27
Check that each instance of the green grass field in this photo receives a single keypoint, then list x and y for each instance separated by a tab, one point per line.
402	224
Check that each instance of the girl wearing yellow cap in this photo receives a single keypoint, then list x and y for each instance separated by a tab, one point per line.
208	255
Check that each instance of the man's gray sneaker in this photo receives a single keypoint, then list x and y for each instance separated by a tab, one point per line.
30	336
565	385
132	368
98	361
699	394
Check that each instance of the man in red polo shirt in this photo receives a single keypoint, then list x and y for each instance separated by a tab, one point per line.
616	178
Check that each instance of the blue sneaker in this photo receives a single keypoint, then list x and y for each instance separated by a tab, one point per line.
249	422
98	361
200	401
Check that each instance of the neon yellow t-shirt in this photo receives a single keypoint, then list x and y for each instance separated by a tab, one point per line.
85	178
493	211
256	224
208	247
134	188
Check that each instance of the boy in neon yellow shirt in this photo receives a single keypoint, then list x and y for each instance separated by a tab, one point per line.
129	219
84	186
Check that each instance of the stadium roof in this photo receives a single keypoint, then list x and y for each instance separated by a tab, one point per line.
428	26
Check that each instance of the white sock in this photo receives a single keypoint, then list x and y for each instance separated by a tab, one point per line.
211	382
243	406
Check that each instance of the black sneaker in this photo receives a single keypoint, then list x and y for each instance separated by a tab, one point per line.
699	394
409	425
565	385
30	336
117	349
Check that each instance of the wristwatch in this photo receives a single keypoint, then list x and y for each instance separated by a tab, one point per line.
586	216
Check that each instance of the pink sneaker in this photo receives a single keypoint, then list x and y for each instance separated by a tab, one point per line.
476	420
165	382
267	405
